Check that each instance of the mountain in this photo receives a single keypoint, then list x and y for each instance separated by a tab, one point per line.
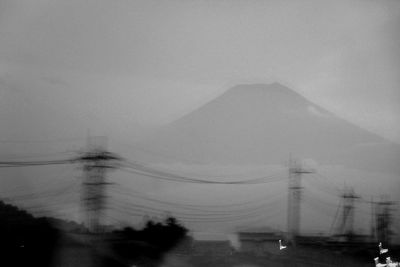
264	124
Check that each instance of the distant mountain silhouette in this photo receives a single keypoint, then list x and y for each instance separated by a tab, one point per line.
259	123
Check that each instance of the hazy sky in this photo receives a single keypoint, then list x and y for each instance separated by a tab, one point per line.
120	67
110	65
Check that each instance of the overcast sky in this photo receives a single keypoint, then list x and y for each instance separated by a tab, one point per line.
111	65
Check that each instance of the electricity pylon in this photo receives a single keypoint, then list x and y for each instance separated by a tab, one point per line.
345	227
294	199
96	161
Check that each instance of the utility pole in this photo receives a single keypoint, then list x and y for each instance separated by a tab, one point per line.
96	161
373	225
294	199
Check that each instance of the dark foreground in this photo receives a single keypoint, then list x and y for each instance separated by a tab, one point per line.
94	253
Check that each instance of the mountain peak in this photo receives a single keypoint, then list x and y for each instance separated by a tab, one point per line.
273	95
260	86
273	89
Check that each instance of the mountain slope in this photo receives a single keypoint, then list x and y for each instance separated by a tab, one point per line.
265	124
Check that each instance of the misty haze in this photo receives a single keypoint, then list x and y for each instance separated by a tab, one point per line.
199	133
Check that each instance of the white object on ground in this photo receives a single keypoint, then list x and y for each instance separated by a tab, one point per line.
280	245
382	250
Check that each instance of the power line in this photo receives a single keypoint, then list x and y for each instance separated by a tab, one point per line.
38	141
195	213
8	164
131	193
33	155
200	209
144	167
178	178
44	194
